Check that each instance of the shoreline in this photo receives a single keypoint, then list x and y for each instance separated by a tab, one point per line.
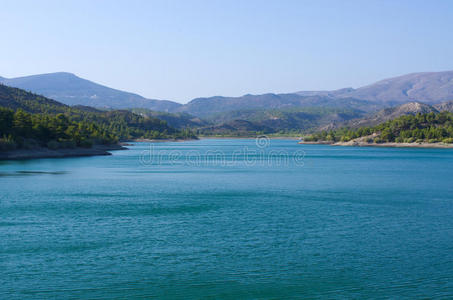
126	142
389	145
292	138
96	150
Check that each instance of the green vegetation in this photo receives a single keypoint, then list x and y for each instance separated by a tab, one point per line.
24	130
177	120
280	122
28	120
429	128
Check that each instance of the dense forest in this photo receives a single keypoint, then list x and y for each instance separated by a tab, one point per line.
28	120
430	127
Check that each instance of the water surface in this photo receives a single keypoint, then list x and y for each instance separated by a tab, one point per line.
229	219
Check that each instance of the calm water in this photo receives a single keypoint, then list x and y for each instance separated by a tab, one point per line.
229	219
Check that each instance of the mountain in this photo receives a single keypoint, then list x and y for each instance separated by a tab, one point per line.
72	90
333	93
390	113
205	107
289	120
366	102
445	106
426	87
118	124
431	127
411	108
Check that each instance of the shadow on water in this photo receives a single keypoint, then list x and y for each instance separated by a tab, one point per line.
30	173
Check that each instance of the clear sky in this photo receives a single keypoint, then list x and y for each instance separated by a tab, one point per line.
184	49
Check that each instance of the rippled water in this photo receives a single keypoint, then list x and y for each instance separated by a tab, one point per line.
229	219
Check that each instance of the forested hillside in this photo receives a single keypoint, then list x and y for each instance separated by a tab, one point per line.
430	127
28	120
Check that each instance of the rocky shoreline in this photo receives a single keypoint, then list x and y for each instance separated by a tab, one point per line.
393	145
59	153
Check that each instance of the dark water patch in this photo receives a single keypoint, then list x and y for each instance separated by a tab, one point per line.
57	247
43	172
7	224
31	173
72	209
121	195
147	210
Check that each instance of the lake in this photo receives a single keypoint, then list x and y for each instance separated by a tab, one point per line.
229	219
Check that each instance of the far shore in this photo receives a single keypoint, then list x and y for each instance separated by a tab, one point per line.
59	153
392	145
293	138
157	140
250	137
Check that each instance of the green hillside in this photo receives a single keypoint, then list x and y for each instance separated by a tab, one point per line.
28	120
431	127
276	121
176	120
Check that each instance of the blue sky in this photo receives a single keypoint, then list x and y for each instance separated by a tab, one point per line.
180	50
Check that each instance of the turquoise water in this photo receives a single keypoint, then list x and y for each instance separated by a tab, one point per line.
227	219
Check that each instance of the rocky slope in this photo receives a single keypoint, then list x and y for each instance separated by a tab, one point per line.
445	106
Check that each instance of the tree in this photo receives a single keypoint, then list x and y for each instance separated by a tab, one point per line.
22	124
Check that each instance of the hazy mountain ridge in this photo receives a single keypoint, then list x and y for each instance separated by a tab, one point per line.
445	106
205	107
73	90
426	87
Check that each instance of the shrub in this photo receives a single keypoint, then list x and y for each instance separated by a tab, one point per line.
409	140
448	141
53	145
432	141
7	144
378	140
67	144
86	143
30	144
309	138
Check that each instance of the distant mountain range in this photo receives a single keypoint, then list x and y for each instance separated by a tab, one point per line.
205	107
428	87
270	113
288	120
